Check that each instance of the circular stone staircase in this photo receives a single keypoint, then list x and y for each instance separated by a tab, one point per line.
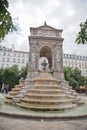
45	94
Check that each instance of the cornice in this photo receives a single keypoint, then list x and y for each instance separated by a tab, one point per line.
46	38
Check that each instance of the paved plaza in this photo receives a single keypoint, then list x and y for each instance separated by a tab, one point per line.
24	124
10	123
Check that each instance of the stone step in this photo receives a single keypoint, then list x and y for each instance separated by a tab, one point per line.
18	86
9	96
46	96
13	92
81	102
16	89
46	82
46	79
45	91
45	102
75	94
7	101
53	107
47	87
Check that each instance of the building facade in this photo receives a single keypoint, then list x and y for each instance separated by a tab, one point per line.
10	57
76	61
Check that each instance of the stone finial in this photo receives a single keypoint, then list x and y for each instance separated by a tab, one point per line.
45	23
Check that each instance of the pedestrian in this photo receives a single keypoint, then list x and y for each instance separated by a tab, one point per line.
86	92
3	88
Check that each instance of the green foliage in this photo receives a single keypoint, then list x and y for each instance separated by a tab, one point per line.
73	82
6	24
67	73
23	72
86	82
1	75
74	77
82	35
11	75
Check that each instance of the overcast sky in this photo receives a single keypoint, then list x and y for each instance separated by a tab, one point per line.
61	14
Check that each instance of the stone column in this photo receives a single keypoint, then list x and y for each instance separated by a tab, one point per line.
32	67
58	62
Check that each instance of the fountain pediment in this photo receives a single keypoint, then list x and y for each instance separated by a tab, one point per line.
45	30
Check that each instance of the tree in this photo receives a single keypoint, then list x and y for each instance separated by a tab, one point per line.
1	75
11	76
78	77
23	72
74	77
67	73
6	23
73	82
82	35
86	82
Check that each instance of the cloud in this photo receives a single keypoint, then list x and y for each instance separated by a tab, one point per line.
61	14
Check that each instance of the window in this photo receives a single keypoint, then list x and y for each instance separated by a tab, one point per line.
84	58
2	65
3	60
23	55
80	57
68	56
13	59
79	65
64	55
8	54
14	54
18	60
18	55
26	61
27	55
7	59
4	53
22	60
7	65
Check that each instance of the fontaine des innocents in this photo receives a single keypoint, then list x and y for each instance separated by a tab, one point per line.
44	89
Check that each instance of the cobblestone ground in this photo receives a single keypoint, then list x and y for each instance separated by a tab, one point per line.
25	124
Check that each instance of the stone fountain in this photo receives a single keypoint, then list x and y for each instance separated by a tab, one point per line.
44	90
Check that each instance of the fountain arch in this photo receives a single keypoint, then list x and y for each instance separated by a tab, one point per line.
46	51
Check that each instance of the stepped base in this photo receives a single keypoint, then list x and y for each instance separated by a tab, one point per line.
12	94
45	108
81	102
8	102
46	94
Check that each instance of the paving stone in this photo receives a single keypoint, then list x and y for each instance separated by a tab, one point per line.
23	124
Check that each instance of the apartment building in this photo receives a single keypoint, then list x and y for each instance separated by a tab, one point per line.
76	61
10	57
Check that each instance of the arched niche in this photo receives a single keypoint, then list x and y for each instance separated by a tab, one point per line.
46	52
